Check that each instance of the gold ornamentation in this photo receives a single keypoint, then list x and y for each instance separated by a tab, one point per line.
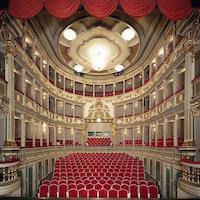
99	111
11	48
9	144
188	46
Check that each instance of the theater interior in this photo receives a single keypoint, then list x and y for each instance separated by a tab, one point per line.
100	99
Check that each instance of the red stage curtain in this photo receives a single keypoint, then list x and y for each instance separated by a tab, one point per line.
100	8
175	9
24	9
138	8
62	8
1	12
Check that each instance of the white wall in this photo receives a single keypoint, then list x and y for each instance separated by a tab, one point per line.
102	127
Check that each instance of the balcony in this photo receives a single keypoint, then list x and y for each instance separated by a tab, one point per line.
9	180
190	177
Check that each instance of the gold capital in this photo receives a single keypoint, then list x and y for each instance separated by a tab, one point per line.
11	48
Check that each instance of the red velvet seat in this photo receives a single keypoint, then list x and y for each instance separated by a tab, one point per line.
92	193
73	193
53	191
82	193
103	193
134	191
62	190
113	193
43	190
143	191
123	194
153	191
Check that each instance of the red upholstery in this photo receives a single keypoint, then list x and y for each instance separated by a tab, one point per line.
99	142
83	193
143	191
113	193
92	193
73	193
106	175
123	194
128	142
103	193
53	191
43	190
153	190
62	190
134	191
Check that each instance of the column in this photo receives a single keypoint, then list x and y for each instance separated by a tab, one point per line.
164	89
93	88
143	132
175	80
156	134
150	132
34	186
63	132
24	85
54	134
33	89
123	87
9	76
23	133
84	86
189	75
73	87
40	131
175	136
47	132
41	96
133	136
33	132
165	132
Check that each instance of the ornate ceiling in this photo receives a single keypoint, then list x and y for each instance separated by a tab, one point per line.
134	55
112	48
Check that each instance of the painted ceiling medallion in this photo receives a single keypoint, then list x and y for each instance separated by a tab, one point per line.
99	49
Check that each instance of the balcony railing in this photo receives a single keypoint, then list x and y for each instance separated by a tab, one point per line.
172	101
191	171
190	176
8	169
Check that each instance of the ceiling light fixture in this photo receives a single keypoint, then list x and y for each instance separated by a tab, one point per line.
119	68
69	34
78	68
128	34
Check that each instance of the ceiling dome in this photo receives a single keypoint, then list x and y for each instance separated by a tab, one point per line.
99	49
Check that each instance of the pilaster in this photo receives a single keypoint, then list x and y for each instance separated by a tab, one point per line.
189	75
9	76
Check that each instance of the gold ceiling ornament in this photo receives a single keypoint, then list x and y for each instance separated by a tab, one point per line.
99	112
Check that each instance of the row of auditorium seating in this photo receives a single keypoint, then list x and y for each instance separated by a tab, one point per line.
29	143
142	191
98	175
160	142
99	142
